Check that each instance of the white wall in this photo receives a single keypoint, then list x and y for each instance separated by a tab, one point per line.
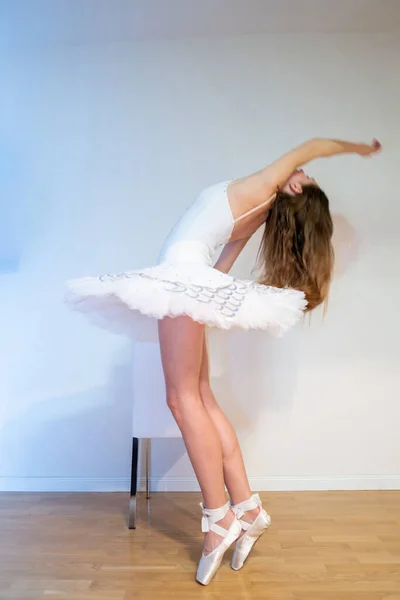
110	144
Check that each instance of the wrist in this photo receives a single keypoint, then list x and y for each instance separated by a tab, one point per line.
343	147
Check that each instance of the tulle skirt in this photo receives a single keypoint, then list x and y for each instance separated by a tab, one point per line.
131	302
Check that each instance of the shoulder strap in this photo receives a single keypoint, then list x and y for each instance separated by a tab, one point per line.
252	210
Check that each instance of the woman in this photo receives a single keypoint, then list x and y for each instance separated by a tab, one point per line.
296	257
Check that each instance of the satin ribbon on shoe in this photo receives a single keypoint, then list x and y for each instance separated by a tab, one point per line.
209	563
252	531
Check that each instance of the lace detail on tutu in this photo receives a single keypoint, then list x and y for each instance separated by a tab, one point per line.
226	299
199	291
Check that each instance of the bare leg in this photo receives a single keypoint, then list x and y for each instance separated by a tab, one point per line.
233	466
181	343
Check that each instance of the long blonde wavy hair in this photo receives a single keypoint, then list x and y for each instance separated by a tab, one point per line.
296	249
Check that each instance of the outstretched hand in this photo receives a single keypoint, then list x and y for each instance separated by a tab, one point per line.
369	149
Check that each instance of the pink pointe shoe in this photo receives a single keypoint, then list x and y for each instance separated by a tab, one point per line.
252	531
209	563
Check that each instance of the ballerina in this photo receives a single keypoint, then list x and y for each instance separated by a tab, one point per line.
185	292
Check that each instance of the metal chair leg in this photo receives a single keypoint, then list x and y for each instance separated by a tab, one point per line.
148	460
134	477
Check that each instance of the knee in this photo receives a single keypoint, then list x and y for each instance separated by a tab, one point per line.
173	402
179	402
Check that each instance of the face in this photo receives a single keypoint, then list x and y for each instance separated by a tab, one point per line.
296	181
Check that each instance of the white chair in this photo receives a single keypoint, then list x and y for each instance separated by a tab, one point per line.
151	415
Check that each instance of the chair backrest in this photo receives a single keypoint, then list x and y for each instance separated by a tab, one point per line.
151	415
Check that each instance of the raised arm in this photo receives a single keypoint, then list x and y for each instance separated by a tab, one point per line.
251	191
277	173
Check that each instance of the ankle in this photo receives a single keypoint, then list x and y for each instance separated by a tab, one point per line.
249	509
212	539
227	520
251	515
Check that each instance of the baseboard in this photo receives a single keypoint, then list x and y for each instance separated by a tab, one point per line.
189	484
285	484
64	484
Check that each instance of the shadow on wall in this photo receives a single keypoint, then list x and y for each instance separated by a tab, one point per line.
84	436
10	182
345	242
254	374
88	435
20	212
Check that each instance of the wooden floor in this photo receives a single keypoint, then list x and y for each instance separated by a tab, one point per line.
325	546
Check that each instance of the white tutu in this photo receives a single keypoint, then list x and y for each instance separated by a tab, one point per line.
124	302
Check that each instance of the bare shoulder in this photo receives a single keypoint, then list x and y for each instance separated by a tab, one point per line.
248	192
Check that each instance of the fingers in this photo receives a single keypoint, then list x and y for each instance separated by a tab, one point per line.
376	146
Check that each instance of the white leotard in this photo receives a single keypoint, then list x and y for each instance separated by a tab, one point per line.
206	225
